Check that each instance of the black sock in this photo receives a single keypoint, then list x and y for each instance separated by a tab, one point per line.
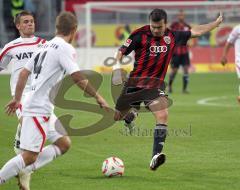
160	133
129	117
185	81
171	78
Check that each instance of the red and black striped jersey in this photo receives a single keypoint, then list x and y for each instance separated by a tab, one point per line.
180	26
152	54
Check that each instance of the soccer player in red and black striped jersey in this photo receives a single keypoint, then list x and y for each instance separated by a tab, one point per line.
154	46
180	55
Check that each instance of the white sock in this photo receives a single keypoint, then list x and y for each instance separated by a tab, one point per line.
11	168
48	154
17	149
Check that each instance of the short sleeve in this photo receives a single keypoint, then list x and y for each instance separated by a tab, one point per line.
130	44
233	35
68	59
5	58
181	37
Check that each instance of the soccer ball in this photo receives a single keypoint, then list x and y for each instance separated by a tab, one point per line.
113	166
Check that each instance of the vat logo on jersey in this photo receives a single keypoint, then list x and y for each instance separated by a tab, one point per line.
25	55
158	49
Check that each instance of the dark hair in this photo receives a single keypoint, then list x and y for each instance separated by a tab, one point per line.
19	15
158	14
66	22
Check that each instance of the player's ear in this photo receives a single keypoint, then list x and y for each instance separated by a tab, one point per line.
18	26
74	31
72	35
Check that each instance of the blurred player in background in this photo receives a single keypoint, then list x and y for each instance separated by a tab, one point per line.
180	55
233	40
154	47
16	53
48	66
126	31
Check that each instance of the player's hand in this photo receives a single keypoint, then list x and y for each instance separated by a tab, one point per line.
219	19
102	103
224	60
12	106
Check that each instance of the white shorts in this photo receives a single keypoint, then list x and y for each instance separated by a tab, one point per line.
36	130
238	68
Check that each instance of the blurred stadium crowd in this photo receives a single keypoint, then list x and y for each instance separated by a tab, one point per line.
110	26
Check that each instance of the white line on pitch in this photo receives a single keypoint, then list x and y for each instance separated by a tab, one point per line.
208	102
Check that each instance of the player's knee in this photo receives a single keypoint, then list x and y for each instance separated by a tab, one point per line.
29	157
64	144
162	115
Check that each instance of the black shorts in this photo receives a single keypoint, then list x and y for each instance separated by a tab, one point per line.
180	60
132	97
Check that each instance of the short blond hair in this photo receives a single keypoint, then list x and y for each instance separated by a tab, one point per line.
19	15
66	22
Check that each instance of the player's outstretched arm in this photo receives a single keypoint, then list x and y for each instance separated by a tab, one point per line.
199	30
85	85
14	103
225	52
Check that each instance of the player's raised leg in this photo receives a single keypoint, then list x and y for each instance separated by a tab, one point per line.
126	107
129	119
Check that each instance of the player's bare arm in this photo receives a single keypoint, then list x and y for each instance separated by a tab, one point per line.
84	84
225	52
199	30
14	103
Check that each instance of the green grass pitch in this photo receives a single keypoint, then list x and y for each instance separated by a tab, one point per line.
202	146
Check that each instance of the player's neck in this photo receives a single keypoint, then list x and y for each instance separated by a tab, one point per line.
27	36
66	38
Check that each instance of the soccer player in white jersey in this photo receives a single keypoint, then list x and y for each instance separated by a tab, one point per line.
233	40
17	52
47	67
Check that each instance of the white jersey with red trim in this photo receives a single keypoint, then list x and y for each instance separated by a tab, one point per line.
48	66
17	53
234	38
